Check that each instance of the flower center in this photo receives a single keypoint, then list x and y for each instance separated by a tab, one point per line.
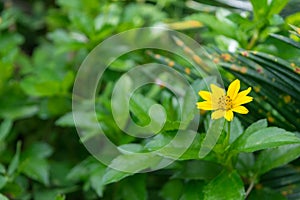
225	103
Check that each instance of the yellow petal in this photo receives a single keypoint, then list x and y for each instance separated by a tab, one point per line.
229	115
218	114
216	91
240	109
205	105
233	89
205	95
244	92
242	100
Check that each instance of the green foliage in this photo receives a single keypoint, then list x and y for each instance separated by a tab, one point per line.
42	45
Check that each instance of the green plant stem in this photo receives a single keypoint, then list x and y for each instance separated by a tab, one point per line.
227	140
250	187
253	40
228	156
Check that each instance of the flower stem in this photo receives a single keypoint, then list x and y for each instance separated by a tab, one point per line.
228	134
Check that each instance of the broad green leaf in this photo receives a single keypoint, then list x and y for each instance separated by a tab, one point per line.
172	190
261	124
176	146
266	138
20	112
96	180
36	168
265	193
82	171
2	169
212	136
2	197
245	163
193	190
227	185
3	181
139	106
50	194
199	170
5	128
112	175
125	165
15	161
272	158
38	150
134	188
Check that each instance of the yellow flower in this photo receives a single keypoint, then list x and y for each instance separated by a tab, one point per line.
225	104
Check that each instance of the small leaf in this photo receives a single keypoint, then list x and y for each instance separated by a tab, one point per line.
96	180
15	161
227	185
3	181
36	168
38	150
2	169
5	128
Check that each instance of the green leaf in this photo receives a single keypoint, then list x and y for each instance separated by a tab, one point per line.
236	129
83	170
60	197
5	128
261	124
227	185
212	136
15	161
2	169
199	170
266	138
287	40
259	8
193	190
36	168
272	158
219	26
134	188
265	193
38	150
2	197
176	146
276	6
3	181
96	180
129	164
245	164
172	190
112	175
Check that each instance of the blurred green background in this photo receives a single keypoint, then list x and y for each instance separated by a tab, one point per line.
42	45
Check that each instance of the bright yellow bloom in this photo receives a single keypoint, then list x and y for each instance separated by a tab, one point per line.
225	104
